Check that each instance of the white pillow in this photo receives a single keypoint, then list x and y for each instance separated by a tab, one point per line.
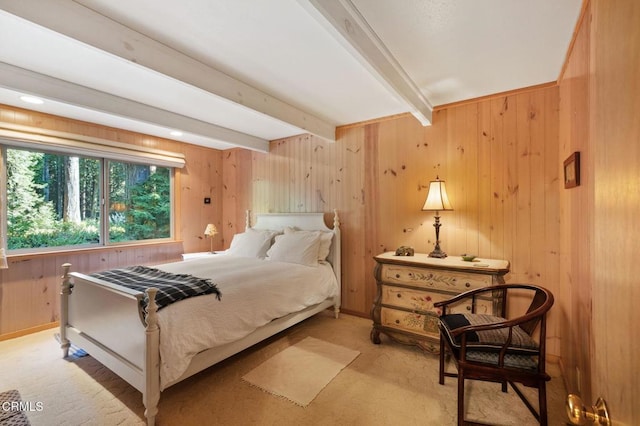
296	247
251	243
325	241
326	238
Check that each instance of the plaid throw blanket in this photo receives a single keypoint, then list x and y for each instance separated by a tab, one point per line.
171	287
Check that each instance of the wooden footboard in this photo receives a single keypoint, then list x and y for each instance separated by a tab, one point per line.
106	320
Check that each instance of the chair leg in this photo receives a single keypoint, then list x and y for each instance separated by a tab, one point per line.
460	398
542	402
504	386
441	381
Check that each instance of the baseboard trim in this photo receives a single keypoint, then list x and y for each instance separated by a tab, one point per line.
26	331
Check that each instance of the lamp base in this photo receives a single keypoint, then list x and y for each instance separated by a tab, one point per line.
436	250
438	253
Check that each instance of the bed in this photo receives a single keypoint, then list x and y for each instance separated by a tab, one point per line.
143	345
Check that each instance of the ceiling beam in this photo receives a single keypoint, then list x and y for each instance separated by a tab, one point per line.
87	26
29	82
345	22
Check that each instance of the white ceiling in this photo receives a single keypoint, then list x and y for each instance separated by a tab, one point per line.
233	73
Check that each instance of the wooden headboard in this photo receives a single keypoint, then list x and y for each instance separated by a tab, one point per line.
305	222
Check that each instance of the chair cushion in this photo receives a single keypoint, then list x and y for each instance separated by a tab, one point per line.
522	362
487	340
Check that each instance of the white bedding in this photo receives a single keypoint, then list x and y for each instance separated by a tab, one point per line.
254	292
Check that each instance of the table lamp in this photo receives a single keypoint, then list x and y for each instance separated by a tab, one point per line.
437	200
210	231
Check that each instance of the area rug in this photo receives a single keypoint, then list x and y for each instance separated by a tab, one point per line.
11	407
301	371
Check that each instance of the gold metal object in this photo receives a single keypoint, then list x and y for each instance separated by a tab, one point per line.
579	414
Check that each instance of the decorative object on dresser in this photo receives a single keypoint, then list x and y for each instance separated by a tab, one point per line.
407	288
210	232
497	348
405	251
437	200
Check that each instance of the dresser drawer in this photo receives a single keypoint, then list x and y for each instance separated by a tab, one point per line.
419	300
408	286
426	325
452	281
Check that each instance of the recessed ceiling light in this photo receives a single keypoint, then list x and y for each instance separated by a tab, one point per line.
175	133
31	100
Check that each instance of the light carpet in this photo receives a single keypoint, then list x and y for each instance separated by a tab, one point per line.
301	371
386	385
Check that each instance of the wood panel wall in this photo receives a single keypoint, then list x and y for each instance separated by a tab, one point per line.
576	216
498	157
614	96
599	110
29	289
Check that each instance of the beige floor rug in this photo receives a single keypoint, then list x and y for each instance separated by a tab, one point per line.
301	371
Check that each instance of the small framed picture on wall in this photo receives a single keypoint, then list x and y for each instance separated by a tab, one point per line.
572	170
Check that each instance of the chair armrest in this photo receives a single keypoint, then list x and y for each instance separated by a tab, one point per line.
507	323
493	326
499	287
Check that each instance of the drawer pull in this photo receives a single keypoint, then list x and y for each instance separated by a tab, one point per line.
468	308
397	275
467	285
398	295
397	321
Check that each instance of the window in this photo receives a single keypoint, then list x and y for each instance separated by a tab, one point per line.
139	202
58	200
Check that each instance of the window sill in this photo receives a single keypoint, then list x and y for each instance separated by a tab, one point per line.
33	255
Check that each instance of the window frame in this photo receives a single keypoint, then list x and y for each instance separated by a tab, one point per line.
106	202
103	154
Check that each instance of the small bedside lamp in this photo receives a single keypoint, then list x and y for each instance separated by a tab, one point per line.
210	231
437	200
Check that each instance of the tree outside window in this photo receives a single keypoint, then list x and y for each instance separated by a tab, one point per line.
55	200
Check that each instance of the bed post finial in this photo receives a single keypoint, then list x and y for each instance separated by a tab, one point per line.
337	262
65	291
151	396
247	220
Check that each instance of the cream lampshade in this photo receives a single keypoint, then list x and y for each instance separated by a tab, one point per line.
437	200
210	231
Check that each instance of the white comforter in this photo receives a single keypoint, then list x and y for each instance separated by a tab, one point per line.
254	292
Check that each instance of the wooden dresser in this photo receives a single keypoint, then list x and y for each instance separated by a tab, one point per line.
408	286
